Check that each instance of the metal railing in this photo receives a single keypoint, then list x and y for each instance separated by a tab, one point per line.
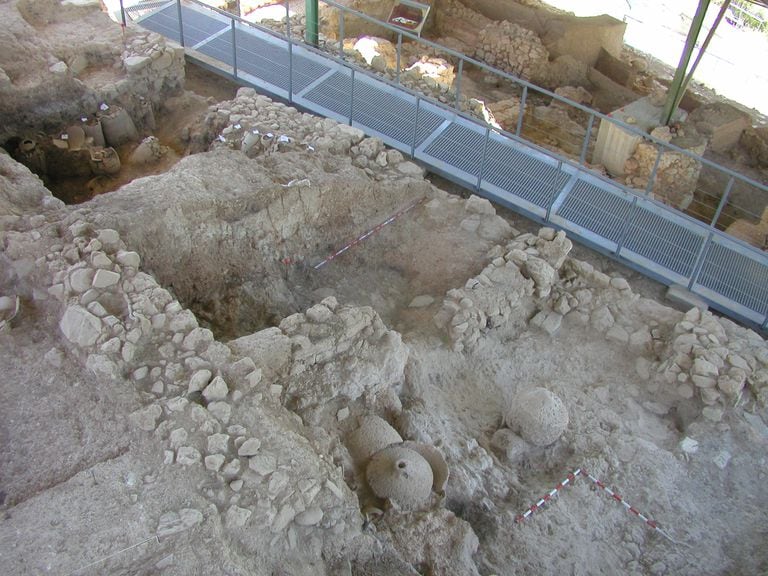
712	207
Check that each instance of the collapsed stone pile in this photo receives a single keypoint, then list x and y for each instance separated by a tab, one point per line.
514	49
501	293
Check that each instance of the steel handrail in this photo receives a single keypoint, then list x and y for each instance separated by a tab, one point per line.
529	85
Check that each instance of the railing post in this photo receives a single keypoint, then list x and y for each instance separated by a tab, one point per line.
555	193
623	238
287	19
723	202
290	50
587	136
399	50
458	84
415	127
699	264
234	49
519	127
341	33
485	154
181	24
122	13
652	177
352	97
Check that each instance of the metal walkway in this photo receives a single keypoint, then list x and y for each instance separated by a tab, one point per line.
636	230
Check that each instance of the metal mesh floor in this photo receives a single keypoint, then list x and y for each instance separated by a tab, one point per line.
523	175
736	276
264	60
663	241
375	108
197	25
597	210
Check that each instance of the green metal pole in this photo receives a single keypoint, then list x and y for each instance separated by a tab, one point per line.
311	12
685	58
703	49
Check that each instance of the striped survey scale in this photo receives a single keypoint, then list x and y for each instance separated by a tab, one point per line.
368	234
570	479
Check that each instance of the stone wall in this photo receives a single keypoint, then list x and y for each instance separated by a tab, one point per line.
677	175
560	32
514	49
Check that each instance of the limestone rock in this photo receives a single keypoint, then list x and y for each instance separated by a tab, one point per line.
216	390
146	418
80	326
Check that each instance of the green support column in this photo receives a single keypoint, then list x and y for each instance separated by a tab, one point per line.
675	89
311	34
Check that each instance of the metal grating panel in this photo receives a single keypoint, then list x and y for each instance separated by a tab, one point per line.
197	26
264	60
596	209
736	276
460	147
332	94
663	241
375	108
522	174
392	115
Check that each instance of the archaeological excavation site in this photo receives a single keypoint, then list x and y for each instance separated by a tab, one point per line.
382	287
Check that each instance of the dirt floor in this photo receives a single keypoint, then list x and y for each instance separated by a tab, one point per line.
185	387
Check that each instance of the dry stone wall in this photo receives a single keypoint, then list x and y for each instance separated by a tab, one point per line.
514	49
677	174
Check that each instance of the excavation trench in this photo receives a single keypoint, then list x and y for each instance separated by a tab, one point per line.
241	252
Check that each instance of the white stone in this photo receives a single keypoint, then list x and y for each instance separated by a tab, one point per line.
80	326
689	445
309	517
81	279
408	168
236	485
216	390
250	447
703	367
128	258
237	517
232	468
214	462
105	278
146	418
221	411
178	437
100	260
342	414
263	464
218	443
135	63
187	455
199	380
197	340
421	301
